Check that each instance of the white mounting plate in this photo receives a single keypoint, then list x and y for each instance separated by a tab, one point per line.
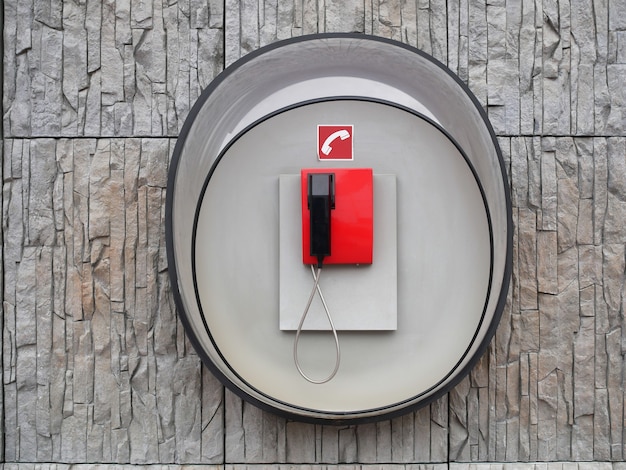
359	297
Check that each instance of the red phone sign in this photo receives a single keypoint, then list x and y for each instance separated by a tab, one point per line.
335	142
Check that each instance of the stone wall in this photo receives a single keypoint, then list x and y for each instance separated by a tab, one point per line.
96	367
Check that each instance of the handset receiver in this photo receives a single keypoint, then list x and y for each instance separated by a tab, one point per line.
320	201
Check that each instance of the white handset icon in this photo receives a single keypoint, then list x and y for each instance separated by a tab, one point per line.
341	134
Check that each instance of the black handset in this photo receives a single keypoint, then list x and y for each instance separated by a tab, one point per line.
321	200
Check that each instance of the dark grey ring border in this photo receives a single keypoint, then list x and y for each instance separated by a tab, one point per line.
170	243
372	412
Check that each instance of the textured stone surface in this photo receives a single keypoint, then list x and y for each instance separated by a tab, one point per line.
95	370
107	68
412	466
253	436
96	367
130	67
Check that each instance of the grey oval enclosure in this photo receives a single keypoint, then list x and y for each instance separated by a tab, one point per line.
442	235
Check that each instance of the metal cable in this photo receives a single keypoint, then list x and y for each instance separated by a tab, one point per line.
316	287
